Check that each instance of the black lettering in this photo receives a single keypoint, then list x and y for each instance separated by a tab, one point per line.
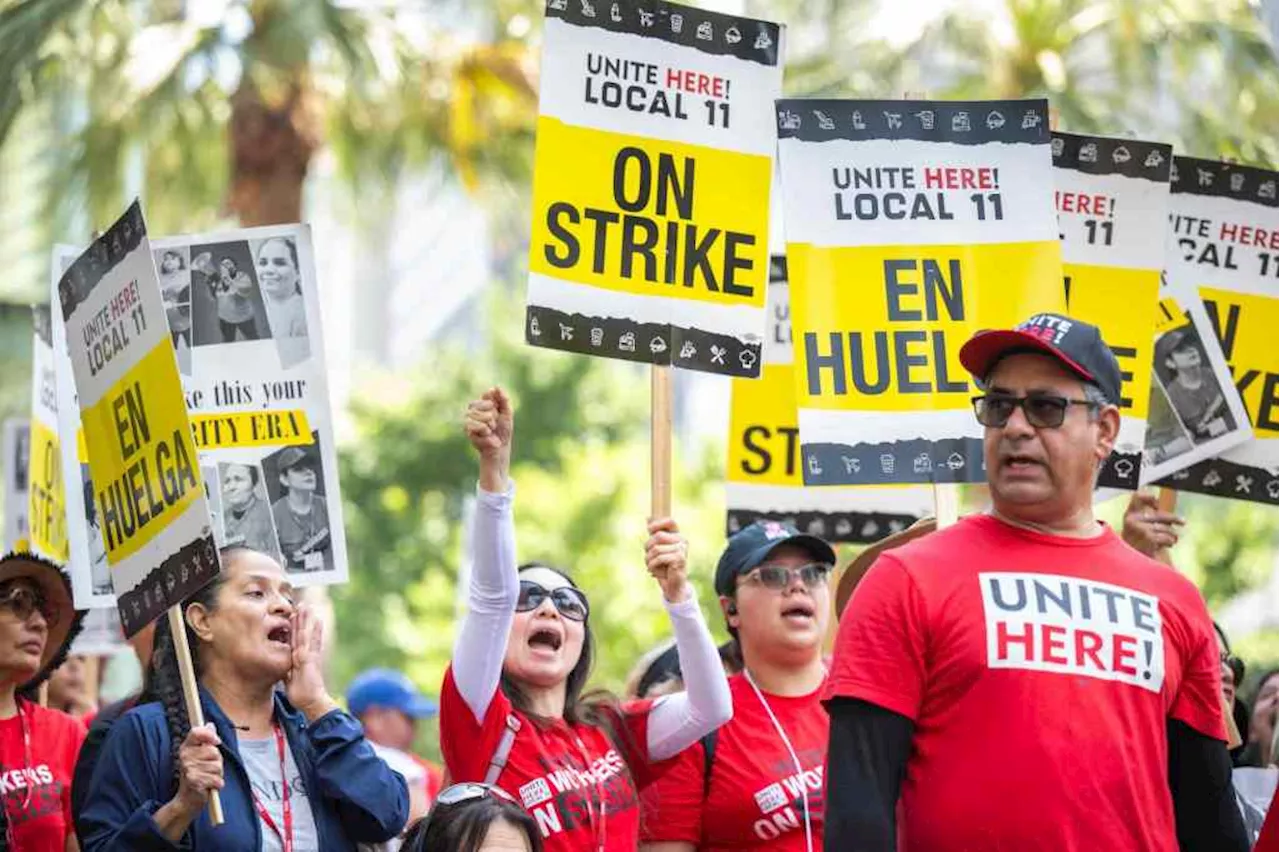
631	246
894	290
641	199
905	361
733	262
945	384
998	599
880	340
792	434
695	256
749	436
557	211
935	282
815	364
670	183
1126	376
1266	418
1062	600
603	219
1226	334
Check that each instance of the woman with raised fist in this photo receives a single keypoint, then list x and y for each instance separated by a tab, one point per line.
513	713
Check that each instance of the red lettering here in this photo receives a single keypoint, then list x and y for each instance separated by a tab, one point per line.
695	83
1088	644
1247	235
1124	648
1004	639
1053	639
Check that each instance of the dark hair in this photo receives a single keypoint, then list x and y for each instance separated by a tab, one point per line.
182	263
252	468
462	827
166	682
1233	662
293	255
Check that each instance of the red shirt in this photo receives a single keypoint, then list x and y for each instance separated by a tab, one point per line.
754	798
558	771
37	795
1267	838
1039	672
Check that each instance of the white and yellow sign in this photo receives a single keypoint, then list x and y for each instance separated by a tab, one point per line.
1112	197
911	225
151	510
764	479
46	507
1224	241
651	184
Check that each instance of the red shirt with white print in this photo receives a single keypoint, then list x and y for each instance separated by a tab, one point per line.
1039	672
36	792
561	773
756	796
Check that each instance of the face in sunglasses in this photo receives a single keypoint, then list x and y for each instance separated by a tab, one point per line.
781	607
779	577
1043	411
22	634
548	630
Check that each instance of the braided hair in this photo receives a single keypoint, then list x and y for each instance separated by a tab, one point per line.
165	681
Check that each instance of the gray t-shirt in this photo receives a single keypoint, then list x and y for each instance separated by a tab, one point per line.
262	761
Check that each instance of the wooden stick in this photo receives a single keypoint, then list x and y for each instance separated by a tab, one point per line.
946	503
660	427
1167	500
191	692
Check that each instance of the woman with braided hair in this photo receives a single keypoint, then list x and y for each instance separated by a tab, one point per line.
294	771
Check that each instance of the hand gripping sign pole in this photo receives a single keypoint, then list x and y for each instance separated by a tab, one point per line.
191	692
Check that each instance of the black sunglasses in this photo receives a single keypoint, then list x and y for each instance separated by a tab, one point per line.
569	602
23	599
778	577
1043	411
1234	663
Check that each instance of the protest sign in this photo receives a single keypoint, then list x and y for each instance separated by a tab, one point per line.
90	572
763	480
147	493
1223	240
651	184
46	508
16	444
911	225
102	635
1112	197
243	311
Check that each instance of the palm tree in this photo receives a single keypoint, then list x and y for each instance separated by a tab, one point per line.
224	117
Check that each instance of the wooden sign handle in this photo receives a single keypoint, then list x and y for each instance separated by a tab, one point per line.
946	503
660	436
191	692
1167	500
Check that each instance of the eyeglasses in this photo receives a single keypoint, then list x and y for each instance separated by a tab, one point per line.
23	600
1044	411
569	602
779	577
468	792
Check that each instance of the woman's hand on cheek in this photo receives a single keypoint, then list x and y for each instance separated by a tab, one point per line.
304	685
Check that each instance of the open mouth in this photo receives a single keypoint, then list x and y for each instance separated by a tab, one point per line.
545	639
1020	462
282	635
800	611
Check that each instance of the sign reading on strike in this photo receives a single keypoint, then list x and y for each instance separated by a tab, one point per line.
1112	197
764	481
911	225
1224	241
651	184
46	508
149	500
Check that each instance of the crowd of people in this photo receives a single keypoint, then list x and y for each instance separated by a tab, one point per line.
1024	679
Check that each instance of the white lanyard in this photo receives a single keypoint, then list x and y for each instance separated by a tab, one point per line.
777	726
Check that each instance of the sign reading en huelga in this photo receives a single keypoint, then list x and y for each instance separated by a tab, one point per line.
911	225
763	480
1112	197
46	508
1224	241
651	184
149	499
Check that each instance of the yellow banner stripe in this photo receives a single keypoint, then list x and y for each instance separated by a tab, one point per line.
282	428
1097	294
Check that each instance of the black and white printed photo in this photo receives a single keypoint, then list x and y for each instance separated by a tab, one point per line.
295	480
279	275
99	569
245	511
226	302
174	268
1188	406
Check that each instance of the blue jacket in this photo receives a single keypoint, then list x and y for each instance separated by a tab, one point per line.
355	797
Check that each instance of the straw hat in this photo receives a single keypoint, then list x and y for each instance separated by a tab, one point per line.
57	589
863	561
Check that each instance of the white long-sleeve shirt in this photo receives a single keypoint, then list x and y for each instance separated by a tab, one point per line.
676	721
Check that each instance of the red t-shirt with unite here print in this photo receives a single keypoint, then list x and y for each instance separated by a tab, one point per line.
44	785
1039	672
559	772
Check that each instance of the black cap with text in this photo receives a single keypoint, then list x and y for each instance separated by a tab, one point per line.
1075	343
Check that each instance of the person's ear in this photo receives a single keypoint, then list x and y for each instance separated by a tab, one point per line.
1108	430
198	620
730	609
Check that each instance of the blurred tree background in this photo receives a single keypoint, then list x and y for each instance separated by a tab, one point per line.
217	111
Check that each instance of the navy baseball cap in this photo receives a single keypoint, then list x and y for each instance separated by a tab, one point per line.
1078	345
752	545
387	688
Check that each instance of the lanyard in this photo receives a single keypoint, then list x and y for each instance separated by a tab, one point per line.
795	760
26	801
286	836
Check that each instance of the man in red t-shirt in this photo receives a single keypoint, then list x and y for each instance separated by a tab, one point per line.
1024	680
